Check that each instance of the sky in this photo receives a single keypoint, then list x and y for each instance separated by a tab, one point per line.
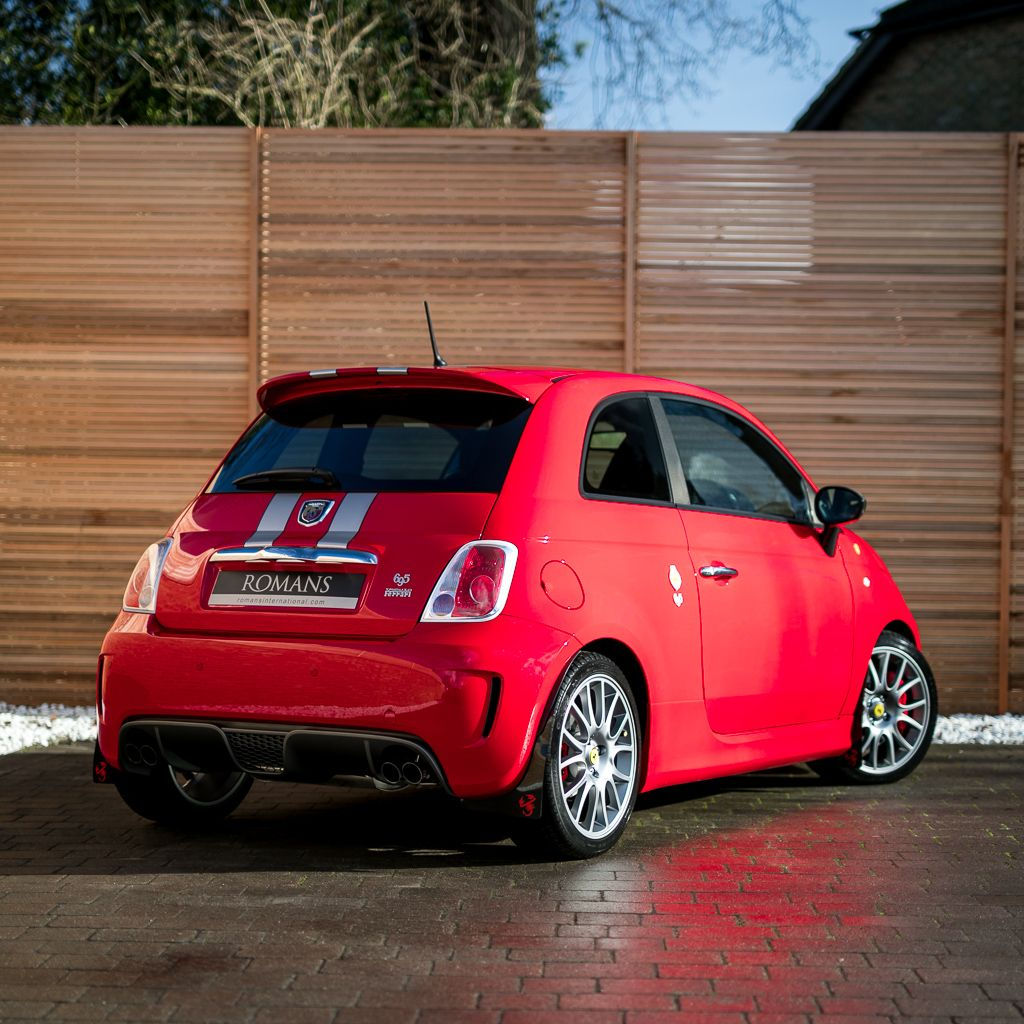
748	94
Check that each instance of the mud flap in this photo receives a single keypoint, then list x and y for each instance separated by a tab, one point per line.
526	801
102	770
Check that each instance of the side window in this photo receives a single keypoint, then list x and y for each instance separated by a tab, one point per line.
623	458
730	465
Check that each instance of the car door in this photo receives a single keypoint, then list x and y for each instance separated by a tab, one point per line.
631	548
776	610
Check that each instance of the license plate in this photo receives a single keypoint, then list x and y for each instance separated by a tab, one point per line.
286	589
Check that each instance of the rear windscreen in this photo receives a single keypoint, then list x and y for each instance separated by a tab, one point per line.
392	439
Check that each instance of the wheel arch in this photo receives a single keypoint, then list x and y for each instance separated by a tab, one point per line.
903	629
626	658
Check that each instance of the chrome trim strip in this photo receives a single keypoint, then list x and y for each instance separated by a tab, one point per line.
275	519
347	520
323	373
337	557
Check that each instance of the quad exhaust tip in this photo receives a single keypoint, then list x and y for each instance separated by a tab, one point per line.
408	771
137	754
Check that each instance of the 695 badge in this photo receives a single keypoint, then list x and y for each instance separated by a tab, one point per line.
400	588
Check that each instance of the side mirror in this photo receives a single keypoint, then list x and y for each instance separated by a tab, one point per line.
835	505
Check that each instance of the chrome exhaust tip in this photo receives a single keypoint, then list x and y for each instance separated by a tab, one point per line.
390	773
412	773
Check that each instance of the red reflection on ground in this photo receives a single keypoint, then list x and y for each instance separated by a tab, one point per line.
791	914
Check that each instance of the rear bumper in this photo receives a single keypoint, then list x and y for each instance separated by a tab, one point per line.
471	695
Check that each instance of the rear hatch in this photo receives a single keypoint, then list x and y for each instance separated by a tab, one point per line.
336	512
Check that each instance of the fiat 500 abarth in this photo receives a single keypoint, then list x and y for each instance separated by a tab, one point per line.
543	590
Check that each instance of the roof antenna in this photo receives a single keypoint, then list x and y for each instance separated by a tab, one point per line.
438	361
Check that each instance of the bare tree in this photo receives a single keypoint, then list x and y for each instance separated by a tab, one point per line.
645	53
356	63
481	58
452	63
271	69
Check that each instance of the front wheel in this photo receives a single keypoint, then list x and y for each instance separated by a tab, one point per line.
186	799
592	773
897	713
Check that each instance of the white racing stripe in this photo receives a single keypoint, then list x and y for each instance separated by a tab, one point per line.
347	520
274	520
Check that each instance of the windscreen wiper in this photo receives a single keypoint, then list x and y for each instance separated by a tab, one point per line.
288	476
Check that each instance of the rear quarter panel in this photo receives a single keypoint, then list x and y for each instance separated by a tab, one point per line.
620	551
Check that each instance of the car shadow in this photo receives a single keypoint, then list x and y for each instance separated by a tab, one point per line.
790	777
286	827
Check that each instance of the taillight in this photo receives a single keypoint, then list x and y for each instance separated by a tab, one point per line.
140	594
475	584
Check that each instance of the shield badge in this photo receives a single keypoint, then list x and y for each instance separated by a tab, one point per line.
315	511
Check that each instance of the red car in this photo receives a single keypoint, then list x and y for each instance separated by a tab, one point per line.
545	591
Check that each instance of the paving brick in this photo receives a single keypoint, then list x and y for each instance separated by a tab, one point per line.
767	899
622	1000
603	1016
28	1009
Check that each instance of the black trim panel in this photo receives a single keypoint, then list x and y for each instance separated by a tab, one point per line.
673	465
312	753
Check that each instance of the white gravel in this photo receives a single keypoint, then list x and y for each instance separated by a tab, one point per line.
44	726
987	729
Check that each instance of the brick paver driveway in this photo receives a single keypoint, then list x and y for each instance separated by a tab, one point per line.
762	898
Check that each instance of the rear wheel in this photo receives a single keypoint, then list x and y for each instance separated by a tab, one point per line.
897	713
591	776
191	799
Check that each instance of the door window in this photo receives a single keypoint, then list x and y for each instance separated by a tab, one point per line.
623	457
731	466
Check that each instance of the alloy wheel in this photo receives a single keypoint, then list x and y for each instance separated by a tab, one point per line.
896	711
597	756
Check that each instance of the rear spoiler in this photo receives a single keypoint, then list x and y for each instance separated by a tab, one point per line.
317	382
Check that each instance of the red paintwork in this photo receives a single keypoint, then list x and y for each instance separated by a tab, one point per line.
409	533
759	671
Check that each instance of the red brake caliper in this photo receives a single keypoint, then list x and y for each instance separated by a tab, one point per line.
900	724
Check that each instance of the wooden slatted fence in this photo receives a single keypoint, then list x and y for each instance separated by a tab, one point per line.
850	288
123	348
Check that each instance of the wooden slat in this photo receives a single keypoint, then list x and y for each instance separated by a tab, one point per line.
515	238
123	320
629	312
1008	426
848	289
1015	306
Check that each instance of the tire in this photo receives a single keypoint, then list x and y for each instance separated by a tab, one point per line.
592	775
898	707
184	799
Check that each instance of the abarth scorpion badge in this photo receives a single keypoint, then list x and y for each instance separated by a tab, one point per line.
313	512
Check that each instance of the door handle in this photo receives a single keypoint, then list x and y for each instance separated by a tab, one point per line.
718	572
